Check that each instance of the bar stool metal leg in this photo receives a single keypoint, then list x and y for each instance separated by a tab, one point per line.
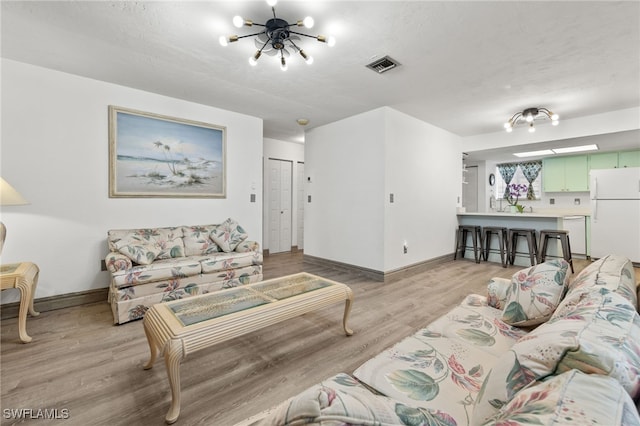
530	235
501	233
462	235
565	244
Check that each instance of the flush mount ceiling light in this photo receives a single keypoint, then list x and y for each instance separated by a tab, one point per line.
276	37
529	115
553	151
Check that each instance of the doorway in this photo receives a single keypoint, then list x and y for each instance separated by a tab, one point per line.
280	200
470	189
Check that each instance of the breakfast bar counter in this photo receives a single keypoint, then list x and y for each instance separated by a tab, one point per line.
537	220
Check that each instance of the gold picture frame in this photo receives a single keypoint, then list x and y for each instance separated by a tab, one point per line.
152	155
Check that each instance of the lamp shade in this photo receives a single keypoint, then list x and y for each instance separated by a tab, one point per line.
9	196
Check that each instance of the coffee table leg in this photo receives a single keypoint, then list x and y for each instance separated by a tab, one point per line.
347	310
26	300
153	346
34	284
172	358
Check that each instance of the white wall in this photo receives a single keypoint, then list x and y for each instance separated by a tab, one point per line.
287	151
355	164
55	153
345	220
423	172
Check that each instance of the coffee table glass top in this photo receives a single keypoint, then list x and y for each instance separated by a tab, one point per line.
289	287
202	308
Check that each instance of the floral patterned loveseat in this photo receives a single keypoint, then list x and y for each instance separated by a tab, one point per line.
536	350
155	265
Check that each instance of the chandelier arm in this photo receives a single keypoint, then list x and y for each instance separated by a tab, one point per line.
515	117
263	46
546	112
273	9
294	45
251	35
302	34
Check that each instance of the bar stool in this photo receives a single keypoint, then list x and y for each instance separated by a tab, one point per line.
530	234
558	234
461	241
501	232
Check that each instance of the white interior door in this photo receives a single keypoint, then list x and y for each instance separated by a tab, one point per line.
280	175
300	210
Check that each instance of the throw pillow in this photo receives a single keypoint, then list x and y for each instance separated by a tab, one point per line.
197	240
497	292
535	293
571	398
228	235
140	252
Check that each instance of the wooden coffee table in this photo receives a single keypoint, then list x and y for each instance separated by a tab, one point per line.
182	327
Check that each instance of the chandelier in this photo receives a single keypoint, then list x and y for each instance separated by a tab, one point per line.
276	37
528	116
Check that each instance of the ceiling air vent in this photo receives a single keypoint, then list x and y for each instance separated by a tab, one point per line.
383	64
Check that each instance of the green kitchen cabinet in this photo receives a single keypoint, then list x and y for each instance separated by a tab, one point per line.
629	159
604	160
565	174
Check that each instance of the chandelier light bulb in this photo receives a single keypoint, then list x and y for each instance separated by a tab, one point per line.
507	126
308	22
331	41
307	58
283	64
238	22
555	122
226	40
509	129
254	59
555	117
531	128
529	118
272	2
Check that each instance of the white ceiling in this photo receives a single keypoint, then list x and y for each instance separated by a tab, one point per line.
466	66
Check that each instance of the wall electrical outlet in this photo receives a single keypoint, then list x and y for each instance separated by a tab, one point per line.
391	198
405	248
552	200
576	201
103	265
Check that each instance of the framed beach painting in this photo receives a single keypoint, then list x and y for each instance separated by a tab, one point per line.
152	155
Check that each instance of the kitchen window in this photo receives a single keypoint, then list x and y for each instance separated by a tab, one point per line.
526	173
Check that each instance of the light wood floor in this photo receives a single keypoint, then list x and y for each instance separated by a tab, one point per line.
81	362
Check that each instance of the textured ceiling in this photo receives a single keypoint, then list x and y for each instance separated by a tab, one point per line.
466	66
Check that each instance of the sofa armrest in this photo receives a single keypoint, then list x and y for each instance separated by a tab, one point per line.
117	262
497	292
246	246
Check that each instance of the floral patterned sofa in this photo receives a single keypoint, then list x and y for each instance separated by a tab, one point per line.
155	265
536	350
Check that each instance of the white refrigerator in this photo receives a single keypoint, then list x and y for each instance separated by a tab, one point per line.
615	212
